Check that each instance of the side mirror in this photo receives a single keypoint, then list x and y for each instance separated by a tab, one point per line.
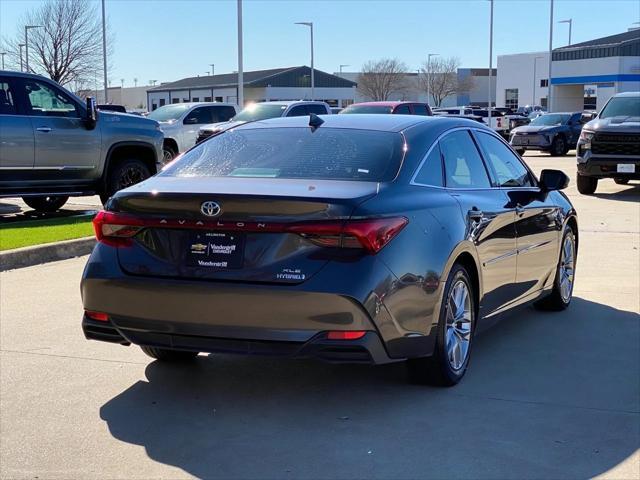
553	180
92	114
190	121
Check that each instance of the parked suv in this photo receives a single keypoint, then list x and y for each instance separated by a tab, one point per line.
180	123
53	146
609	145
264	110
555	133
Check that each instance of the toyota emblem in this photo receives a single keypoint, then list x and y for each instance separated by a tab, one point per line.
210	209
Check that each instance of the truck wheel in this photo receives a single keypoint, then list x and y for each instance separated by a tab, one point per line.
123	175
587	185
520	151
558	147
621	181
167	355
45	204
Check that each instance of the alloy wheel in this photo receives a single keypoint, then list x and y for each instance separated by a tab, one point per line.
130	176
567	266
458	332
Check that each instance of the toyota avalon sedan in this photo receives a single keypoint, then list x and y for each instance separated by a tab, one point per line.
348	238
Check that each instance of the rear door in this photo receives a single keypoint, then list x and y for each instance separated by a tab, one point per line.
61	139
490	219
537	221
16	132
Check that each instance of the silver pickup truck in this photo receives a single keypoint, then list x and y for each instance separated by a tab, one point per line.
53	145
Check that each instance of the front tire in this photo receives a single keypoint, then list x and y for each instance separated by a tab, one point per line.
559	147
45	204
168	355
621	181
168	154
587	185
560	296
124	174
456	325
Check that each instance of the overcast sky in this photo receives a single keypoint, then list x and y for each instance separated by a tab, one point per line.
167	40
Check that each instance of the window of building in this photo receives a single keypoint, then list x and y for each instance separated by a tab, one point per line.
463	165
185	100
162	102
511	98
544	82
154	106
207	99
195	99
175	100
218	99
543	102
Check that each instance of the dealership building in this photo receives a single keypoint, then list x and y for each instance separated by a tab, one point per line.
293	83
583	76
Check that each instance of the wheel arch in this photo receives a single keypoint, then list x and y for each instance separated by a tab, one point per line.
465	254
122	150
172	143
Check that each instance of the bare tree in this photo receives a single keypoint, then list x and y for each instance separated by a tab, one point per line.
379	79
68	46
442	77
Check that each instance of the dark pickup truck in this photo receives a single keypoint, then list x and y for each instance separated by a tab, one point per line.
609	145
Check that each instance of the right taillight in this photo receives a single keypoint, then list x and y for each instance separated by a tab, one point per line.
369	234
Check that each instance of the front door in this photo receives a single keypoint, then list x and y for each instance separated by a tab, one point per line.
61	139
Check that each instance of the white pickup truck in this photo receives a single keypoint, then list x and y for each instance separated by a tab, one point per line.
498	121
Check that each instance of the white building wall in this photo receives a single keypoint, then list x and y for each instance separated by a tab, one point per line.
516	71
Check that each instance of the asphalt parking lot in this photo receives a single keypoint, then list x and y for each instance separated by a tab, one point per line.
548	395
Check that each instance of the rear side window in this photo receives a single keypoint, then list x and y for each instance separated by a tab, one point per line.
507	167
430	172
463	165
199	115
402	110
7	103
326	153
222	113
419	109
298	111
317	109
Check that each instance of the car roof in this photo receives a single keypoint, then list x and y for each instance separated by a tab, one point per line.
203	104
290	102
627	94
382	104
377	122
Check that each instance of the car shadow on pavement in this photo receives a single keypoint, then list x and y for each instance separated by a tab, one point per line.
548	395
631	193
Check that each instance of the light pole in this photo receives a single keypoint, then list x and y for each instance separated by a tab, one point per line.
135	82
21	46
26	43
490	63
310	25
213	68
3	54
550	56
343	65
240	66
104	54
570	22
533	93
429	55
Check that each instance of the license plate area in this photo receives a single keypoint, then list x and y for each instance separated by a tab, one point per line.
216	250
626	168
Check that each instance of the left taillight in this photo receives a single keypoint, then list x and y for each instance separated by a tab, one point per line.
116	229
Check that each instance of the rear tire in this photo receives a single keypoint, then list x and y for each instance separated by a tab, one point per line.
559	147
168	355
587	185
124	174
621	181
560	296
456	325
45	204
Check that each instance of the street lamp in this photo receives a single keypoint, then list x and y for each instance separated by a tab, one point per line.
26	42
429	55
310	25
213	68
20	46
3	54
104	55
135	82
343	65
490	63
533	93
570	22
240	63
550	91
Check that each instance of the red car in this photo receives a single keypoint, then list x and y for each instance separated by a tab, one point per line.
401	108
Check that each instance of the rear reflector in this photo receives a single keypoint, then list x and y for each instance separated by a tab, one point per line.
371	234
99	316
346	335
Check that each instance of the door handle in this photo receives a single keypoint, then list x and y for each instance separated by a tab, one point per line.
519	209
475	214
44	129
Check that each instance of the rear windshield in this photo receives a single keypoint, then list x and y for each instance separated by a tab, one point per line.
367	109
291	152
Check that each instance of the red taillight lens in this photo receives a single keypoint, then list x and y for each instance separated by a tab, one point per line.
116	229
370	234
346	335
99	316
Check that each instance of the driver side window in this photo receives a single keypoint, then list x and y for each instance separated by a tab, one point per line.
45	101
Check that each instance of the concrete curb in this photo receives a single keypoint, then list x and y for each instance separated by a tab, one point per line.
49	252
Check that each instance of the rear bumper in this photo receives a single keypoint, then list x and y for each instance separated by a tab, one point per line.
368	349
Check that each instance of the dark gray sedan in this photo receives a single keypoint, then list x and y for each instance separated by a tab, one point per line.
348	238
